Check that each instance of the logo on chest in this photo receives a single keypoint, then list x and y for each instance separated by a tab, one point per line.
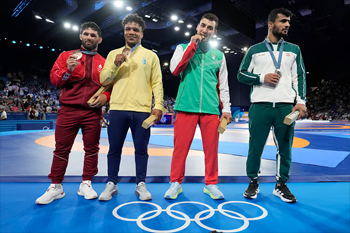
261	54
99	68
144	60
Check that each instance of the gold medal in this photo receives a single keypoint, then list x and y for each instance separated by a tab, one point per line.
200	36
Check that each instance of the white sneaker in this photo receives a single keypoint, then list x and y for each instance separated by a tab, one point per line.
142	192
213	191
174	190
110	190
55	191
86	190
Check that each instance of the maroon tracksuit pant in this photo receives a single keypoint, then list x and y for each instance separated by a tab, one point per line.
69	121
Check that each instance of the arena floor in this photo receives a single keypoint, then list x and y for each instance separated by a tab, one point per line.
319	178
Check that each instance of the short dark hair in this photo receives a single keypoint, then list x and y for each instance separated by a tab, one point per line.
212	17
91	25
274	13
134	18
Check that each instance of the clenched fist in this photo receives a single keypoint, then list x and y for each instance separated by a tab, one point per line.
271	78
72	62
119	59
197	38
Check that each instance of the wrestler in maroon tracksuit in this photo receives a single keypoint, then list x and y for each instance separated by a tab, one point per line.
77	88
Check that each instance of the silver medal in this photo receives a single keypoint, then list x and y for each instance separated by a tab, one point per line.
278	71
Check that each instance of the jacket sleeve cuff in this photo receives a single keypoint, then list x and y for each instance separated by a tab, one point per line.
68	71
301	101
226	109
114	68
159	107
108	95
262	77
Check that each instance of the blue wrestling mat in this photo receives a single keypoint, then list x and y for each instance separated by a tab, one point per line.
307	155
318	210
327	149
321	154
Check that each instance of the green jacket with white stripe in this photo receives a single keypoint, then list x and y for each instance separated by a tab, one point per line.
257	62
204	80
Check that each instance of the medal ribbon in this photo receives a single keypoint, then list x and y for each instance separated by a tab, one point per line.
89	52
133	48
277	63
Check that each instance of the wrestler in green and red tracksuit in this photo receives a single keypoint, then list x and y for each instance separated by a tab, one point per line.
203	91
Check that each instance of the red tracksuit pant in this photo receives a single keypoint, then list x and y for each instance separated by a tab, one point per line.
69	121
184	130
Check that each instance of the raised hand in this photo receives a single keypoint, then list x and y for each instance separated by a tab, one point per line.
197	38
72	62
119	59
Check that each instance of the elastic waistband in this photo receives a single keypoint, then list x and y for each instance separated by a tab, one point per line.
74	107
273	105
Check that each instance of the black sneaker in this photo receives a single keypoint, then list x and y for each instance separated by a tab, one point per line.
284	193
252	190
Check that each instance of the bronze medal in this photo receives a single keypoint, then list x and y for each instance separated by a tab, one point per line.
78	54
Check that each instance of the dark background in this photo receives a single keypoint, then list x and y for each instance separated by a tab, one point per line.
320	28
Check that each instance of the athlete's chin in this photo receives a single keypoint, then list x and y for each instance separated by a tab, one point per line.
284	35
89	46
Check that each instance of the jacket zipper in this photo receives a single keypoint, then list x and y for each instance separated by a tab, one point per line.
86	78
200	101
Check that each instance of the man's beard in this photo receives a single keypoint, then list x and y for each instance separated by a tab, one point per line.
278	34
90	47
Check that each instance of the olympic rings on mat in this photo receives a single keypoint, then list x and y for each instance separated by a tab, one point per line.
228	213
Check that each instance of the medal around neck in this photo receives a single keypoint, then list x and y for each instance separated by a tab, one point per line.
278	71
126	52
78	54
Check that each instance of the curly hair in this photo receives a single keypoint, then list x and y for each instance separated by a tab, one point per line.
134	18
